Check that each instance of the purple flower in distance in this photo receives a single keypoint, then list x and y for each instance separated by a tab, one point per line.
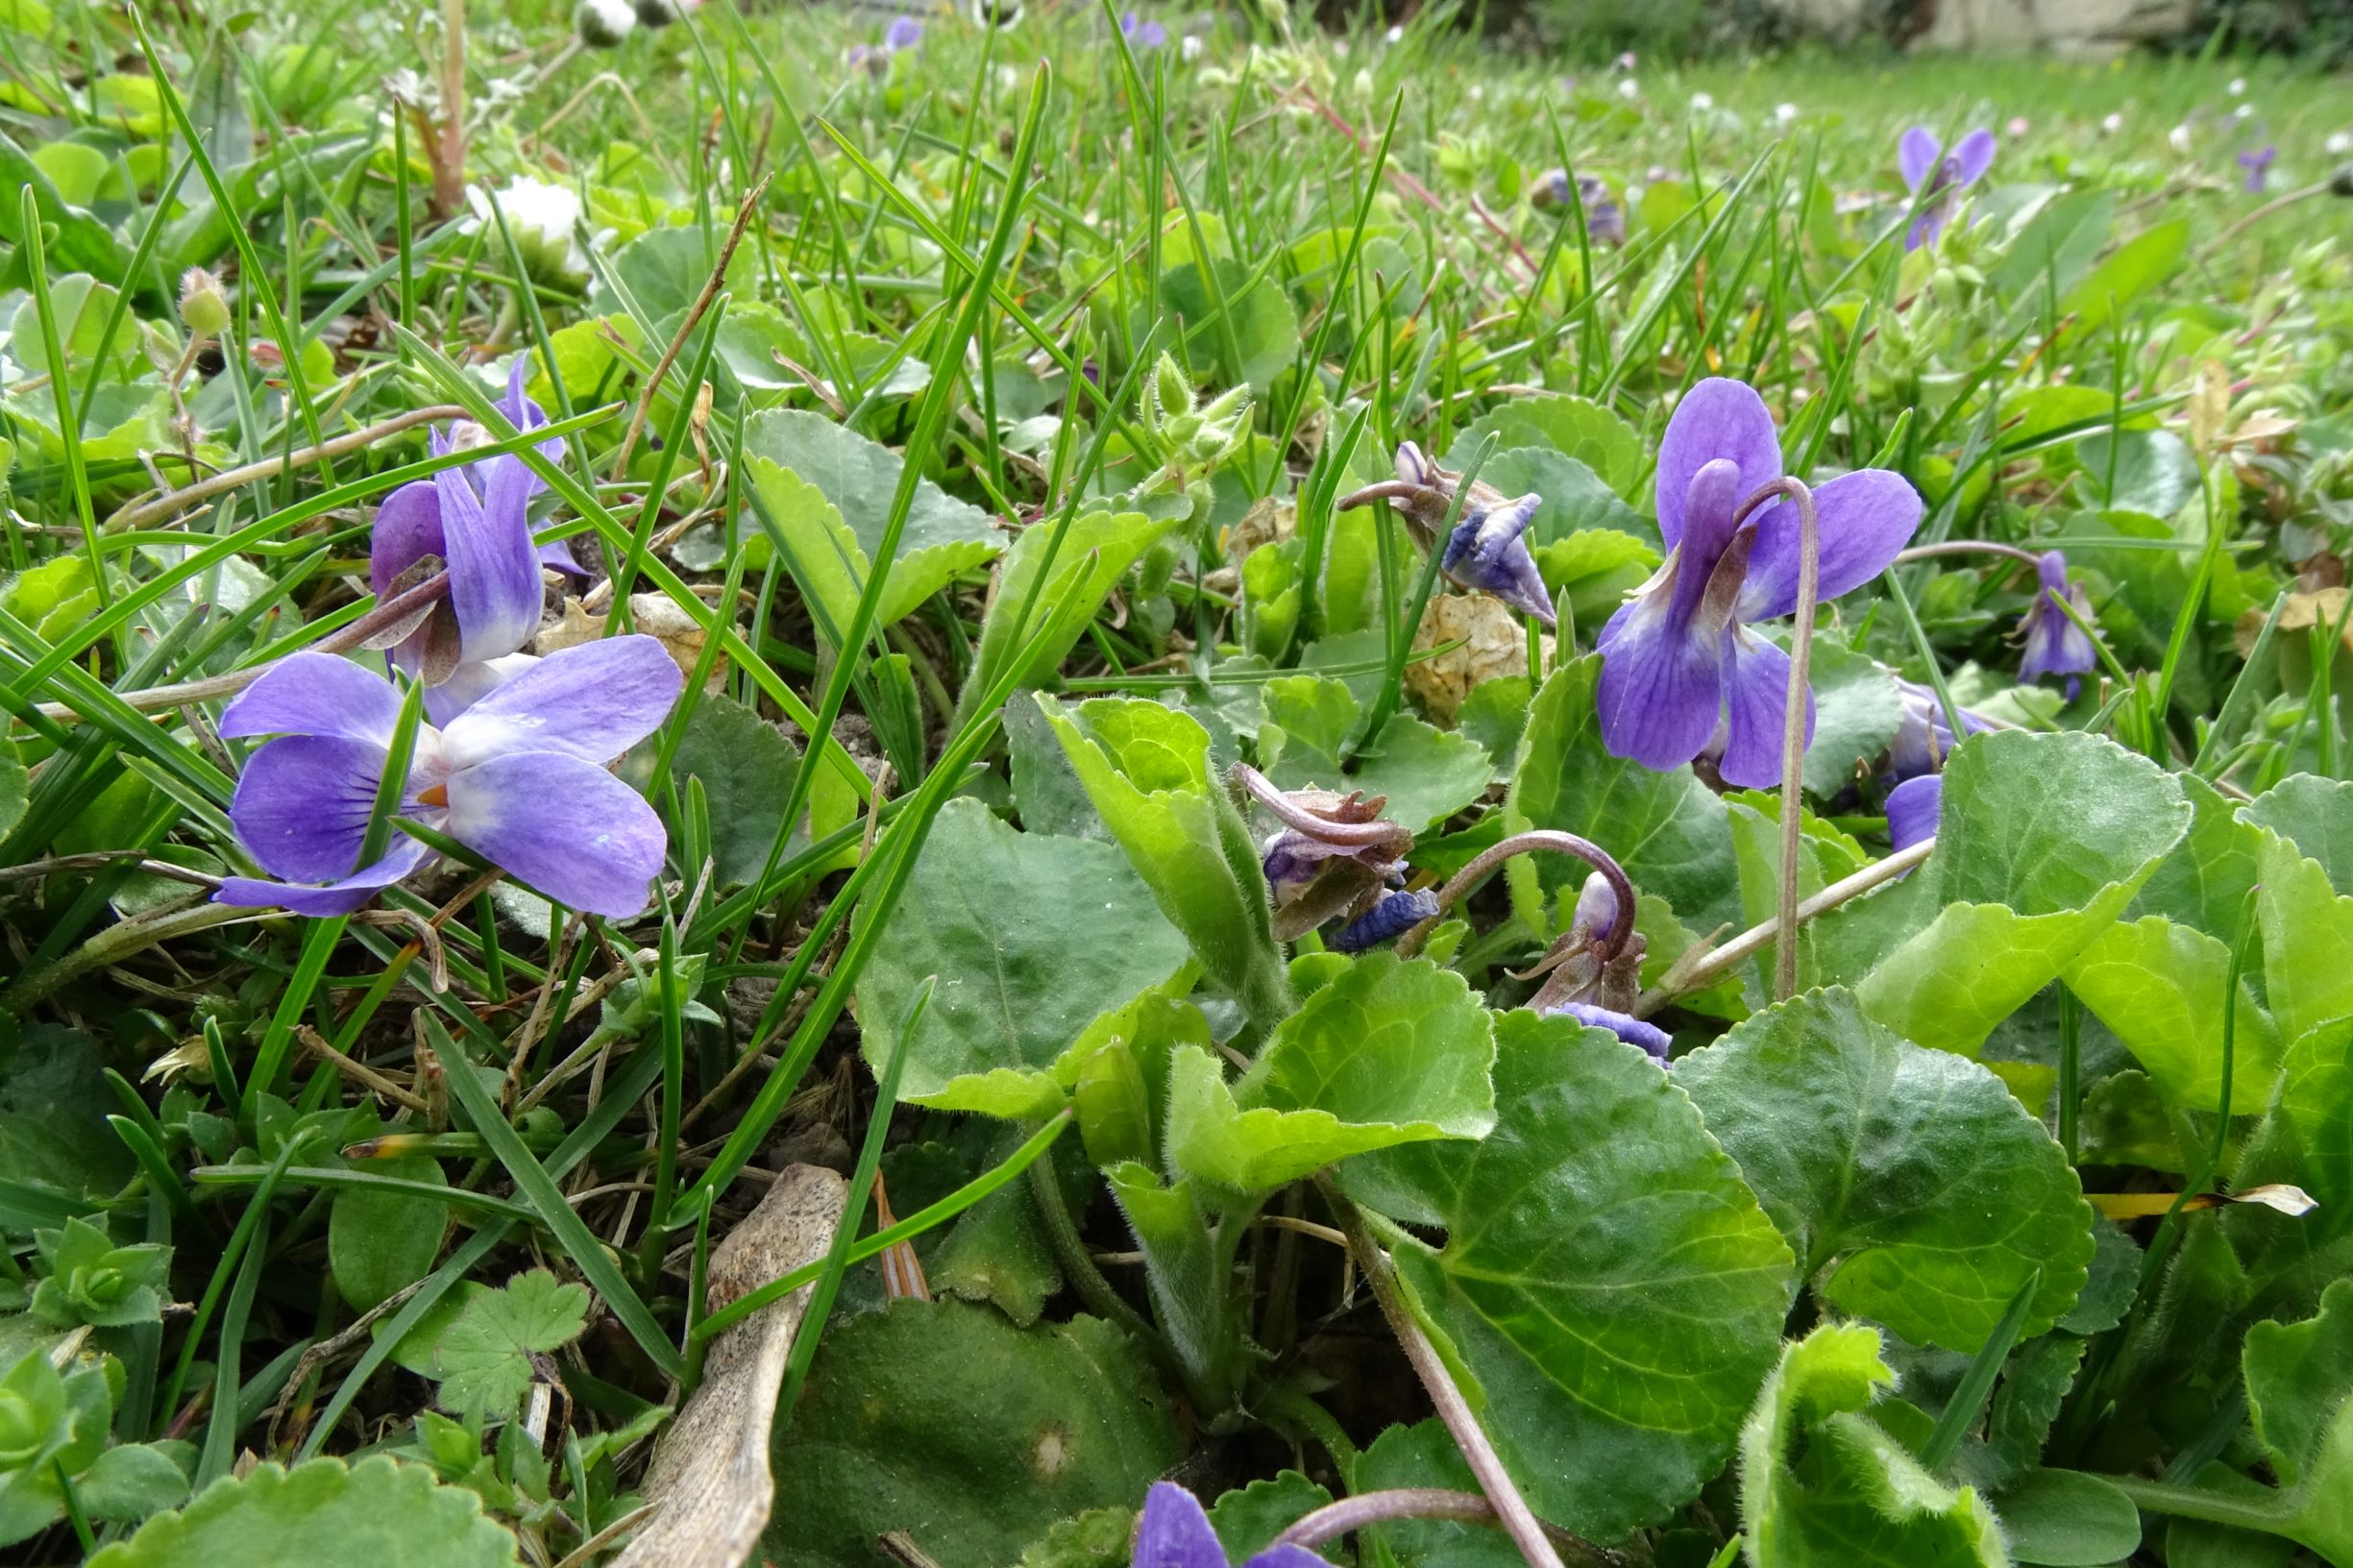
2055	645
903	33
1678	658
1939	177
1141	33
1912	808
1605	220
2258	165
1487	546
519	778
1175	1532
1923	739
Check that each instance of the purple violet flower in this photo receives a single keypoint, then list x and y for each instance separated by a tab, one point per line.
1912	808
1391	917
1141	33
1589	982
1175	1532
2055	645
519	778
1677	659
2258	165
1605	220
904	32
1923	739
1635	1032
1335	857
1924	162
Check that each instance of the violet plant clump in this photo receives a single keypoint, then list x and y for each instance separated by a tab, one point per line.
1937	177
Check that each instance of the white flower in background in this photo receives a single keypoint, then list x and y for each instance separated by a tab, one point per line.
1626	63
2112	124
1478	91
2339	143
1396	34
2237	88
2178	139
1188	48
1628	90
545	220
601	24
1703	102
2019	125
2242	111
1340	48
1784	114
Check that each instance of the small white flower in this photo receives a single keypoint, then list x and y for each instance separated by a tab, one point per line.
2112	124
1784	114
2237	88
1396	34
2242	111
2178	139
545	220
1478	90
1626	62
601	24
1628	90
1703	102
2019	125
1340	48
2339	143
1188	48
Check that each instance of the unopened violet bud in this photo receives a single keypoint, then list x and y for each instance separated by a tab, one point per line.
1597	909
1635	1032
1487	546
1393	916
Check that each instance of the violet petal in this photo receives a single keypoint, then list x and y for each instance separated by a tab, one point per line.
302	802
1175	1531
1917	154
408	528
1912	809
592	701
1717	418
1660	688
315	693
1756	693
338	897
494	568
566	826
1864	519
1649	1037
1972	155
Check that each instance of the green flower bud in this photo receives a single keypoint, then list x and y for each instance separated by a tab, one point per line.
1169	395
22	1431
204	303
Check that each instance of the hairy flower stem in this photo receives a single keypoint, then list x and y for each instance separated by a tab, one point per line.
1703	971
1793	716
1353	1513
357	633
1559	842
174	501
1518	1520
1968	547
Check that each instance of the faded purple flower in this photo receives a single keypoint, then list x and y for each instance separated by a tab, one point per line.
904	32
1912	808
1336	858
1635	1032
519	778
2258	165
1678	659
1605	219
1392	916
1593	979
1141	33
1939	178
1487	546
2055	645
1175	1532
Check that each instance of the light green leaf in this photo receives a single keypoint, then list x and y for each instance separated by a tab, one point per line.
973	1436
1856	709
2307	930
2042	841
1668	830
1820	1482
2131	270
2316	815
1095	553
484	1358
2067	1519
1574	499
1608	1280
2203	881
379	1512
2299	1378
2158	987
1030	937
2153	471
1574	426
1425	1455
2055	250
15	787
1146	769
1427	774
1260	336
1913	1177
1248	1518
664	269
130	1481
1390	1053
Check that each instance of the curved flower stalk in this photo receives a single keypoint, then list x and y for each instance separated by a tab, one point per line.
1486	549
519	778
2055	643
474	521
1336	858
1940	177
1678	659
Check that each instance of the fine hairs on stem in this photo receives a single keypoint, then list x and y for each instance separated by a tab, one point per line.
1519	1521
1793	716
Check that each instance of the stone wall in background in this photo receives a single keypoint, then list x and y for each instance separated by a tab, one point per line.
2066	26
